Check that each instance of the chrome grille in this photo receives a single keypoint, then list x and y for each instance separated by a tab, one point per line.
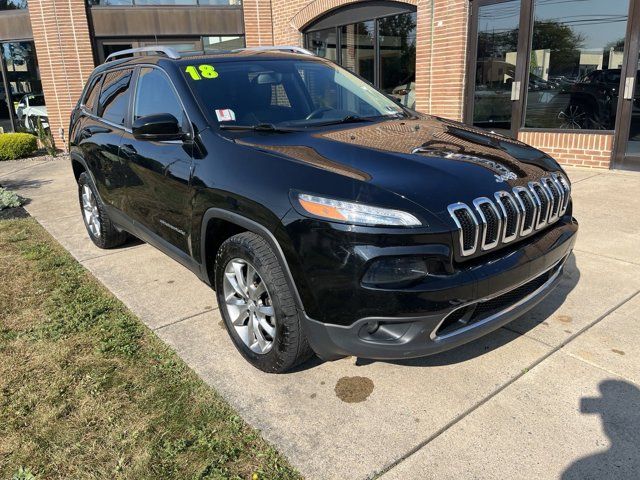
510	215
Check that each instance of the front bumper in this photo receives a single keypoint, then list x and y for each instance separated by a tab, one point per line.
482	297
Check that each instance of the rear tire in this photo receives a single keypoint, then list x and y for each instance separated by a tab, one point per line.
266	327
99	227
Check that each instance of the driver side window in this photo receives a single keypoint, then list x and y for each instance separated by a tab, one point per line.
155	94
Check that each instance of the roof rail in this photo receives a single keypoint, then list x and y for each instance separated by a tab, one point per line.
278	48
168	51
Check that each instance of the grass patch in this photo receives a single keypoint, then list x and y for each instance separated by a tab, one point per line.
87	391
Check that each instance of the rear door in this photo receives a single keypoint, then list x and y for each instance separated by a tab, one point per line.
101	133
160	199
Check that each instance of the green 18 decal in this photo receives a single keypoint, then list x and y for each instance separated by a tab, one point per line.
201	71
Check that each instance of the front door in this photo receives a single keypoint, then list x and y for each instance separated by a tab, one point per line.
494	69
627	152
159	197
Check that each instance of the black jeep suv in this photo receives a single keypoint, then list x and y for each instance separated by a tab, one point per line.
327	217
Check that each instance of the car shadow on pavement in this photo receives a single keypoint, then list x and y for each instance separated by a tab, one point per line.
31	184
538	315
619	408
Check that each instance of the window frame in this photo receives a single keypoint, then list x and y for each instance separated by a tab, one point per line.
94	113
403	9
188	128
525	41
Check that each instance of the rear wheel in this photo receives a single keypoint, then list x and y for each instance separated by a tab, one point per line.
99	227
257	305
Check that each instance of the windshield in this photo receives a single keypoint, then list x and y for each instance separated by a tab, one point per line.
293	93
36	100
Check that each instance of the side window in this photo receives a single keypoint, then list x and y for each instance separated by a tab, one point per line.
155	94
114	97
89	101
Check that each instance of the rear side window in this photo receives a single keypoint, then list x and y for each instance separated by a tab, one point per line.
155	94
114	97
89	101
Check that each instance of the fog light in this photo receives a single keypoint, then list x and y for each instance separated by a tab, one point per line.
395	272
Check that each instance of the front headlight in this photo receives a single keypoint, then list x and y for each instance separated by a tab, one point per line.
351	212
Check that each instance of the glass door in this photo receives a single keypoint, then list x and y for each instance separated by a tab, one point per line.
627	151
492	96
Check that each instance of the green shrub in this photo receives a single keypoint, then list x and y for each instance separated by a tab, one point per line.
9	199
17	145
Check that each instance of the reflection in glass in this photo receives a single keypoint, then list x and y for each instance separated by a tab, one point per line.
357	48
397	43
574	75
496	64
23	77
323	43
222	43
633	145
13	4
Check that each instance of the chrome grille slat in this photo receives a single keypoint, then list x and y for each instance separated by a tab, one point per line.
491	221
509	216
528	209
468	234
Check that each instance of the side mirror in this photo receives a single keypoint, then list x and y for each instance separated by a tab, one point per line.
158	127
21	105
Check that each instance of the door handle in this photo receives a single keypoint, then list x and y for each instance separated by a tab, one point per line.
128	149
515	91
87	132
629	84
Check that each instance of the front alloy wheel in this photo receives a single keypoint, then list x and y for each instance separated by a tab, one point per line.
249	306
90	211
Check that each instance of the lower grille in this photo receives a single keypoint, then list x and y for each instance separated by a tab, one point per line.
477	312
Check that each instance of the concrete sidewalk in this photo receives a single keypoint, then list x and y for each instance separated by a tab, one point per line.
554	395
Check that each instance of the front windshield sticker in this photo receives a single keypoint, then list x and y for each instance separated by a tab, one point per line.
198	72
225	115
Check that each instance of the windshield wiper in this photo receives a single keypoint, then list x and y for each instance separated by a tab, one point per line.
259	127
345	119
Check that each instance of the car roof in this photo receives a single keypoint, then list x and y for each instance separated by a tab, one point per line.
219	56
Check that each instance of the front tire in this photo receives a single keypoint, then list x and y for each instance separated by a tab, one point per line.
98	224
258	306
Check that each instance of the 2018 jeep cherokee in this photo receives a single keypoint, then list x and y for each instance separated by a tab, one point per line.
327	217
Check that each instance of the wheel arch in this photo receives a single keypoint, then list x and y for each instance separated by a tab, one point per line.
218	225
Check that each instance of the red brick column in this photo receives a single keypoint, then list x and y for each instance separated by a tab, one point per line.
65	57
258	23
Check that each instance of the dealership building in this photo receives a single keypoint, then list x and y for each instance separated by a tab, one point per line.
560	75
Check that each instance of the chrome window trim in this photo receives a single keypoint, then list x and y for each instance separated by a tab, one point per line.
482	201
499	196
454	207
516	194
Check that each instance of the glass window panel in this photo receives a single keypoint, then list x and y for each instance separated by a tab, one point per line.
357	48
107	3
576	56
166	2
323	43
23	76
397	40
222	43
496	64
155	94
13	4
114	97
92	93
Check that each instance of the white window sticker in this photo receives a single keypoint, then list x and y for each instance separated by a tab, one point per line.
225	115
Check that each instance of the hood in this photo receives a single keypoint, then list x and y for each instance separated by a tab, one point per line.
431	161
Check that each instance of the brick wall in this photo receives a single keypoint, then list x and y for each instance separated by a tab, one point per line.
258	23
581	149
65	58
